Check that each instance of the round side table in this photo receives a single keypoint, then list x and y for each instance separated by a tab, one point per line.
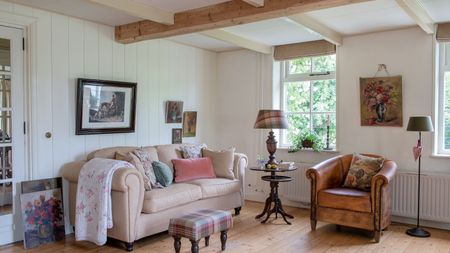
274	180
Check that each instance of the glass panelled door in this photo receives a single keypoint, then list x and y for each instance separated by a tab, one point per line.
12	136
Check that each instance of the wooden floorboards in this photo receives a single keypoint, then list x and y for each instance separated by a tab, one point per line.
248	235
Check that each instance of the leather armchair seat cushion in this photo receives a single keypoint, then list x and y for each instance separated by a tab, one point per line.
174	195
345	199
215	187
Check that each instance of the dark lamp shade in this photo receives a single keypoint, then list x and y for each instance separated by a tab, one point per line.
420	124
271	119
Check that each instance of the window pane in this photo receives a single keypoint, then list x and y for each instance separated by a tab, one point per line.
447	91
324	96
5	198
300	66
297	123
5	91
324	63
447	130
297	97
5	126
320	122
5	163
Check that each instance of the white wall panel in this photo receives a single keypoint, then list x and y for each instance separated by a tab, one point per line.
65	48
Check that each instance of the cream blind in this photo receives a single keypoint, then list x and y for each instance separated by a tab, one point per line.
303	49
443	32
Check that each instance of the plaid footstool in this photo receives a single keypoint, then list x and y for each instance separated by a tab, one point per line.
199	224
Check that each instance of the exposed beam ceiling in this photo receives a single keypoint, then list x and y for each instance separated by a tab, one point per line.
220	15
238	41
139	10
415	9
315	26
256	3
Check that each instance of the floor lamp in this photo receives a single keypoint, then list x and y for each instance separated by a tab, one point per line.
419	124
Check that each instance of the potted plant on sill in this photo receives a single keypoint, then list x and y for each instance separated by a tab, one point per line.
306	140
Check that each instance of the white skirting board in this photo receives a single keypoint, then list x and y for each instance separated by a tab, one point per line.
435	196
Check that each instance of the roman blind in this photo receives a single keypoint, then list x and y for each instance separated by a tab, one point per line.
303	49
443	32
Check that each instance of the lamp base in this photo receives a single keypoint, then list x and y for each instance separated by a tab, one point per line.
418	232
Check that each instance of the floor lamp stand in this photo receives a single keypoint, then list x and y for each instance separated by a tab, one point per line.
418	231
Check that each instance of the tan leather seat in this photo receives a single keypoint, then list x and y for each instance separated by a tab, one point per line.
175	195
215	187
345	199
330	202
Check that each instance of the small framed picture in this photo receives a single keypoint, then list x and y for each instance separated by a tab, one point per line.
177	136
189	124
174	110
105	107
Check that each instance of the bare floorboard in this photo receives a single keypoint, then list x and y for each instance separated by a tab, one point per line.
249	235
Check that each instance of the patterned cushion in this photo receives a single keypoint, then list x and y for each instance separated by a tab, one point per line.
146	160
131	158
192	151
200	224
361	171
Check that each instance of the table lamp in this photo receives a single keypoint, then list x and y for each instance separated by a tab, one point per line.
419	124
271	119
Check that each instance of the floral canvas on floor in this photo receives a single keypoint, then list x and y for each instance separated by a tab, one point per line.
381	101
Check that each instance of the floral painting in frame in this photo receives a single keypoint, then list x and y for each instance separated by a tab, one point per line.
174	111
381	101
177	135
43	217
189	124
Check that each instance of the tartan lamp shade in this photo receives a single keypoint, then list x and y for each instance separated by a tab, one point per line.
271	119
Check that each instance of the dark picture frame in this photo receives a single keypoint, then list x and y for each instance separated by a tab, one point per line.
105	107
177	135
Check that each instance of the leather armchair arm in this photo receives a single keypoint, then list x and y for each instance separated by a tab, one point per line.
326	174
386	174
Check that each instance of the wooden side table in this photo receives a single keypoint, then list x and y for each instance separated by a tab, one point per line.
274	180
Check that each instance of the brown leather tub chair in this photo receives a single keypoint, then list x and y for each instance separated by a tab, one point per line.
330	202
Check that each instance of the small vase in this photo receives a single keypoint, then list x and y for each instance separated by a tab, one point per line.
381	112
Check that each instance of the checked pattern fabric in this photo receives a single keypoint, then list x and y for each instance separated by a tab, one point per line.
200	224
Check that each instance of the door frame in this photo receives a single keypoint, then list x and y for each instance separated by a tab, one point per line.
28	27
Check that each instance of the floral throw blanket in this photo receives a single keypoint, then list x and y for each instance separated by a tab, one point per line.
93	215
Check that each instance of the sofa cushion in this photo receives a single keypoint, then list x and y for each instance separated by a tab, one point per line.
174	195
346	199
109	153
168	152
222	162
361	171
191	169
214	187
192	151
163	173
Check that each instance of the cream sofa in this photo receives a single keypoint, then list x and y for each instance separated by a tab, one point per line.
138	213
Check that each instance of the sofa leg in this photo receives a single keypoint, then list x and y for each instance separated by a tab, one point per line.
129	246
237	210
313	225
377	236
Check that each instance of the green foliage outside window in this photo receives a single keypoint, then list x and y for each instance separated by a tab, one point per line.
310	101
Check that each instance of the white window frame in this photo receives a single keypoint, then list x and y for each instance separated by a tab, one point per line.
314	76
444	66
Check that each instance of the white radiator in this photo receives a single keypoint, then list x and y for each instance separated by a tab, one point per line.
435	194
434	197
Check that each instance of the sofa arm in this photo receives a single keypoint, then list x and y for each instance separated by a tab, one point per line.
127	199
240	164
70	171
386	174
324	175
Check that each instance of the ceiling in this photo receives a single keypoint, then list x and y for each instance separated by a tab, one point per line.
366	17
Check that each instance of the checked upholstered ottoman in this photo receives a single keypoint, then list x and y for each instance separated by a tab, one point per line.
199	224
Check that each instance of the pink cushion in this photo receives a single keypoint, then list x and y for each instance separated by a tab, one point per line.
194	168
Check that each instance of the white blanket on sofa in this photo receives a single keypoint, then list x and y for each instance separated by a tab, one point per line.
93	215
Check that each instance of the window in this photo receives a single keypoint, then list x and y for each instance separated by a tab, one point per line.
443	126
308	88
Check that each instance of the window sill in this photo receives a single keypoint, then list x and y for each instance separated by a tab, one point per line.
445	156
311	151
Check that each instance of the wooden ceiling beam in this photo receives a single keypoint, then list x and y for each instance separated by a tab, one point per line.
220	15
312	24
237	40
415	9
255	3
139	10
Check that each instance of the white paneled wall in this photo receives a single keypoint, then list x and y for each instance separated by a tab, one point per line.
65	48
